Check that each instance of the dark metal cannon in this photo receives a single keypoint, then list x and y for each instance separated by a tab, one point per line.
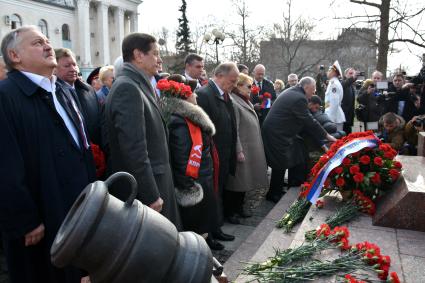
117	242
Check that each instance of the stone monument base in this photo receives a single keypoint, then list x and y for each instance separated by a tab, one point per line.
403	207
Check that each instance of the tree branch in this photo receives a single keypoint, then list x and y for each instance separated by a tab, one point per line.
364	2
411	41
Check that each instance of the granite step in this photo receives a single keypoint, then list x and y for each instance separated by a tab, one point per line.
262	238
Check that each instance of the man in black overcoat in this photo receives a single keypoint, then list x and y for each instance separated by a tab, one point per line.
137	131
45	158
215	99
349	98
283	145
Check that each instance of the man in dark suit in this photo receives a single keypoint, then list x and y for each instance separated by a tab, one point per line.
45	158
67	73
214	98
136	129
349	98
262	107
281	130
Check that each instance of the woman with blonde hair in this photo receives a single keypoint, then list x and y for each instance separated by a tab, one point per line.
251	168
279	86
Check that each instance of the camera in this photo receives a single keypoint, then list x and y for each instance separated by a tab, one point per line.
419	122
321	68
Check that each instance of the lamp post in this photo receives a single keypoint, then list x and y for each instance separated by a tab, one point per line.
215	37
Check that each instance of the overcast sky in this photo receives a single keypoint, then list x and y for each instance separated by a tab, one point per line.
155	14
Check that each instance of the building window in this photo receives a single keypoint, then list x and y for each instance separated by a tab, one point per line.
65	33
42	24
15	21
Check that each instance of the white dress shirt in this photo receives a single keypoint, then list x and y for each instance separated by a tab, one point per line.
50	86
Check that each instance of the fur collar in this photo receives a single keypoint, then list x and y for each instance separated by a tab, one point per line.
192	112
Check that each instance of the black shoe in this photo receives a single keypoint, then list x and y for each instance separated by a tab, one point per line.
233	219
273	198
213	244
245	213
220	235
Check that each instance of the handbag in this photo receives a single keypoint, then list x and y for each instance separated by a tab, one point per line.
361	112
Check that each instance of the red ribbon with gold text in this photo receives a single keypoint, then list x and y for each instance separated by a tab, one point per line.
194	162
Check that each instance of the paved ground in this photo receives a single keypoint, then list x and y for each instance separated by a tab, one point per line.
255	201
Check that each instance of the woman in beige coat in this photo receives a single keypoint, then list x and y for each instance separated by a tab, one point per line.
251	169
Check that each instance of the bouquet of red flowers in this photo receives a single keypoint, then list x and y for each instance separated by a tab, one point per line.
265	99
172	88
99	160
370	170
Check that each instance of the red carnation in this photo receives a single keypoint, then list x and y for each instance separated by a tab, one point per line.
376	179
346	161
394	278
267	95
358	177
163	85
365	159
394	174
338	170
340	182
255	90
378	161
99	159
320	204
354	169
397	164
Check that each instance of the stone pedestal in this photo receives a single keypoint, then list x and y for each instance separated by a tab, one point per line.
403	207
421	144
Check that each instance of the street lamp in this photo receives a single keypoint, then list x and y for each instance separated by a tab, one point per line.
215	37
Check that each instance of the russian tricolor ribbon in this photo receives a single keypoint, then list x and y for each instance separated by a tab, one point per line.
351	147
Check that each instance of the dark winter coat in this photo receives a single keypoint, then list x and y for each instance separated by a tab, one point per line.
288	117
42	170
348	100
223	117
196	197
138	140
373	109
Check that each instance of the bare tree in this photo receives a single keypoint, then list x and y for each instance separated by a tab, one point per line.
246	48
292	35
394	20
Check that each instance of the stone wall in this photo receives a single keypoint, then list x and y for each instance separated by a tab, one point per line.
352	48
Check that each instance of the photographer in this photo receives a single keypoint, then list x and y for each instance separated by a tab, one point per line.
368	111
394	99
413	127
392	130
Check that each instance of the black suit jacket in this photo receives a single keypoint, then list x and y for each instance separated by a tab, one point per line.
43	172
281	129
266	86
223	116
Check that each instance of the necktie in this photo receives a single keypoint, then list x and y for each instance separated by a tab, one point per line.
259	85
226	97
75	114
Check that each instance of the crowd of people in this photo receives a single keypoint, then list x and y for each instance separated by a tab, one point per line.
195	149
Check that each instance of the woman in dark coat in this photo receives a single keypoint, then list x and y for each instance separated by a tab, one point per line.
195	194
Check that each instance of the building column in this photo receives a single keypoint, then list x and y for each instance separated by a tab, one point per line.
120	25
83	8
103	30
134	22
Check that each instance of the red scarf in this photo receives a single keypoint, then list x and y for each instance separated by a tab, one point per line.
194	162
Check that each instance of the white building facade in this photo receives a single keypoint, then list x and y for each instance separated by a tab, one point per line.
92	29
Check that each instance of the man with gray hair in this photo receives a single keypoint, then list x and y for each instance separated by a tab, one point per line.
261	104
214	98
45	161
281	130
292	80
